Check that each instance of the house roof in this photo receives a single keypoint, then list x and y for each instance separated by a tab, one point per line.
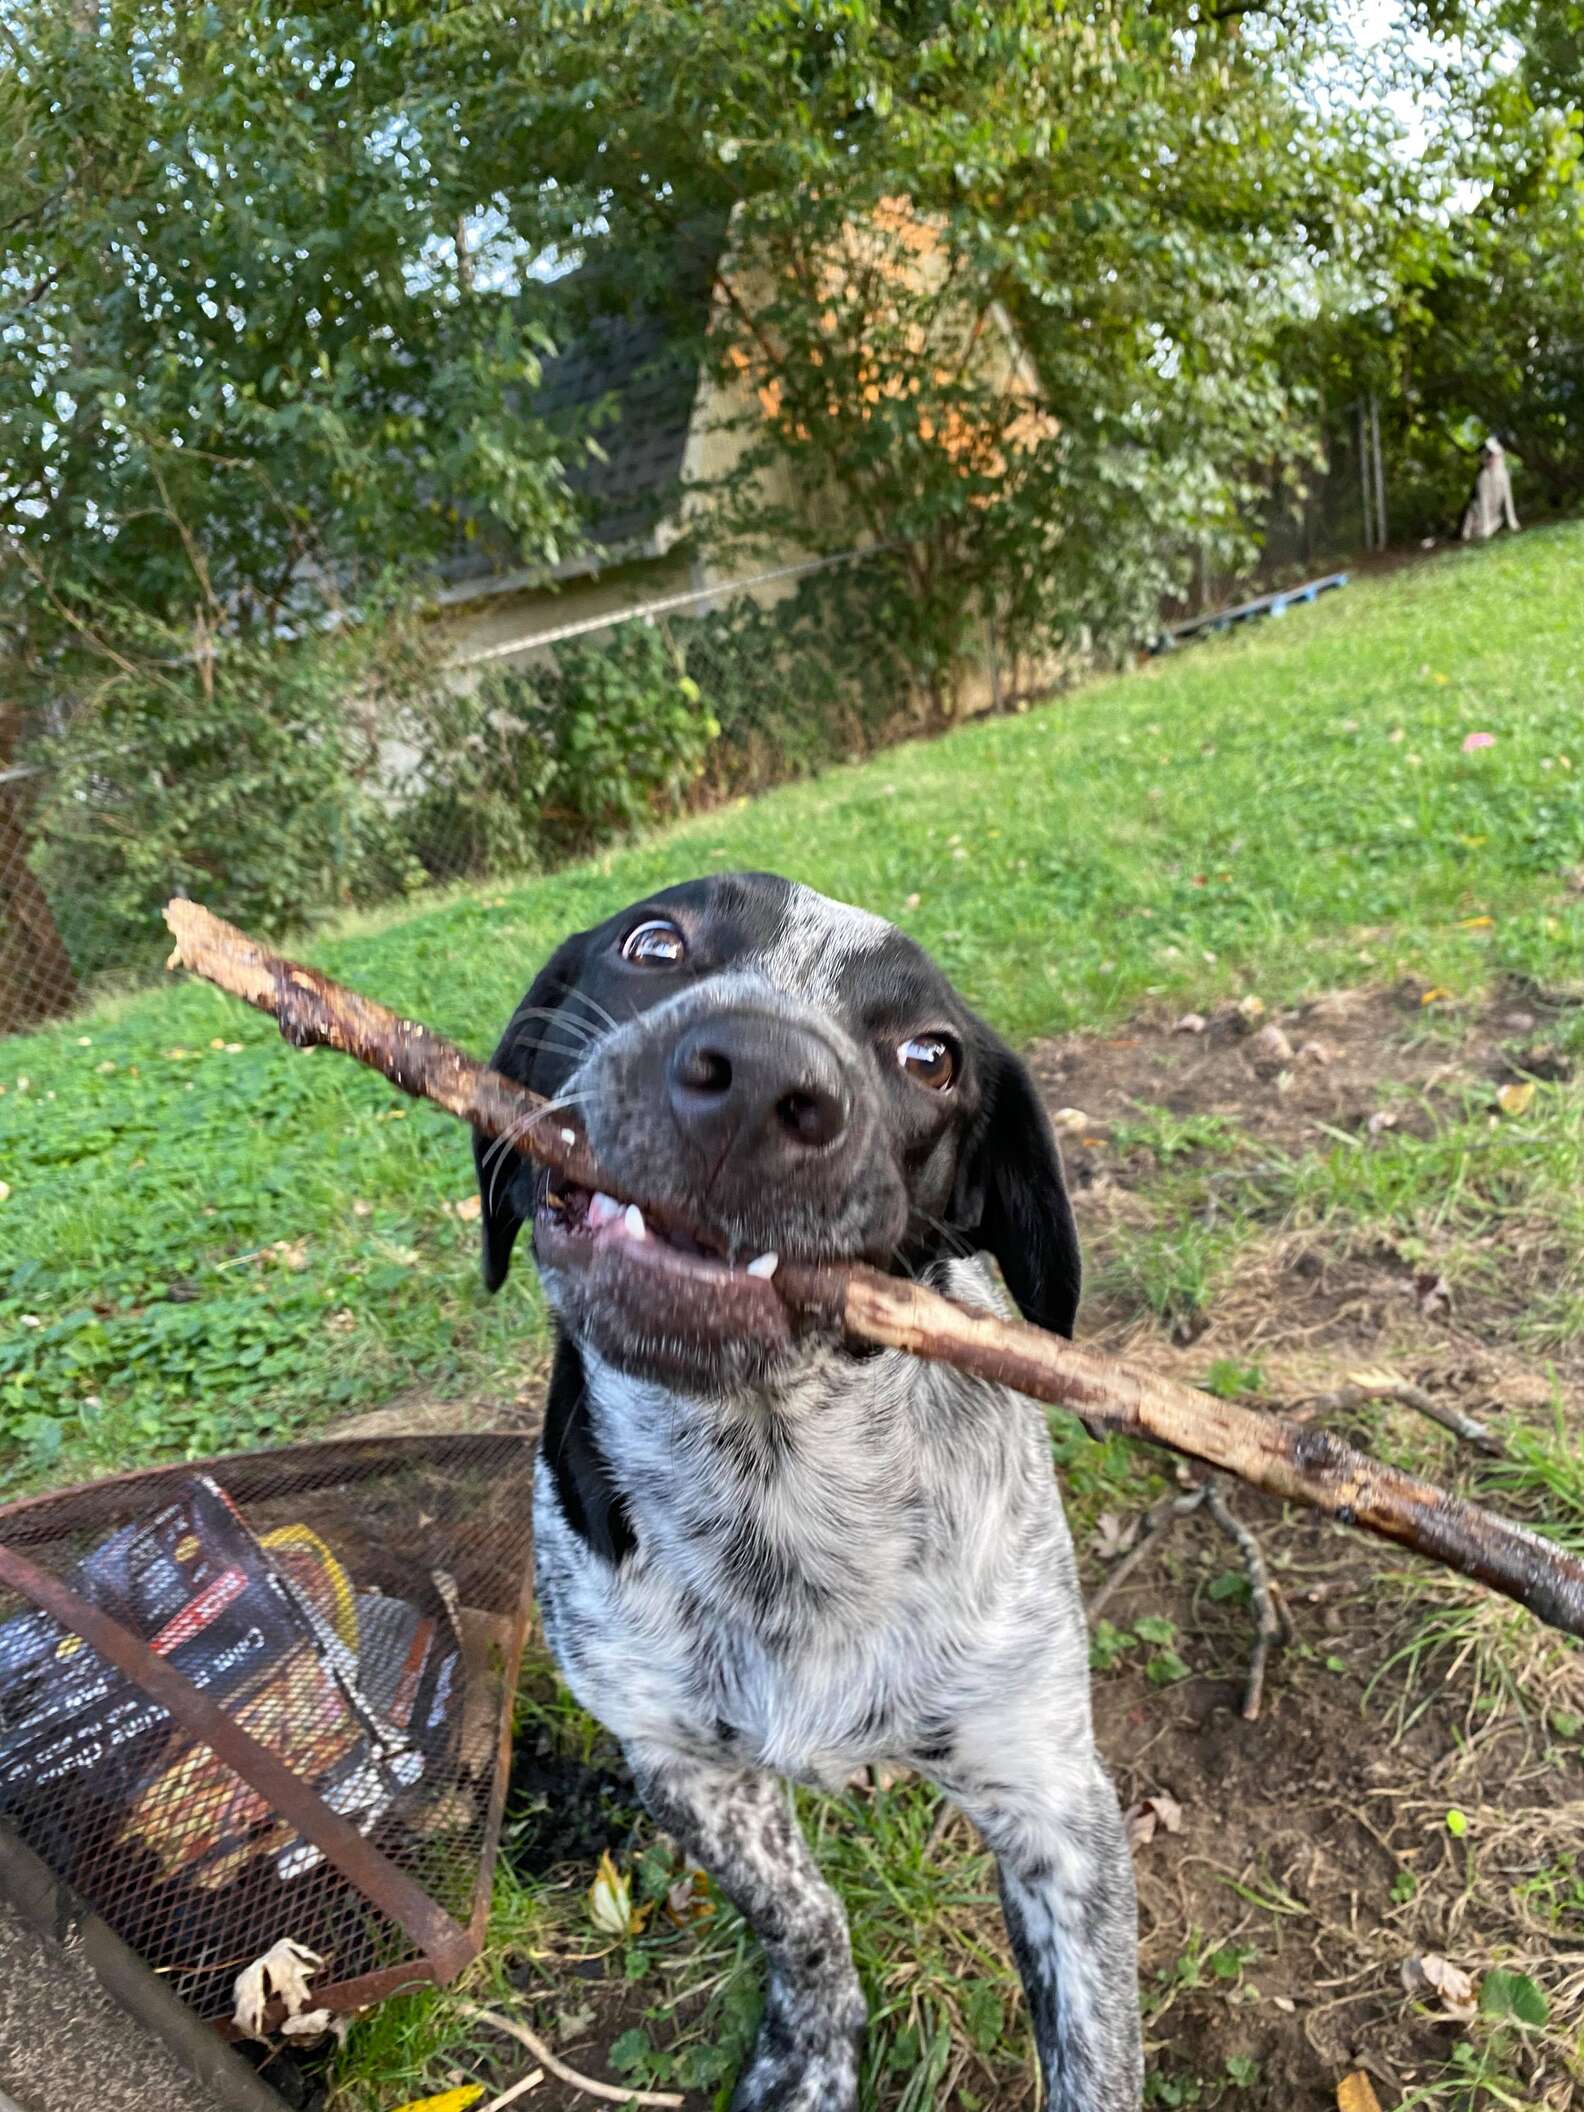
624	380
627	375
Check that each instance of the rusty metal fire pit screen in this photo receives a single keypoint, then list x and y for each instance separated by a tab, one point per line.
270	1696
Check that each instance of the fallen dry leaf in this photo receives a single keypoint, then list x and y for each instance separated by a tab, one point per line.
1429	1973
458	2100
1160	1812
1375	1378
1191	1023
689	1899
1515	1099
1068	1121
1270	1045
1382	1119
1111	1536
466	1207
610	1902
285	1969
1356	2093
1434	1294
1251	1010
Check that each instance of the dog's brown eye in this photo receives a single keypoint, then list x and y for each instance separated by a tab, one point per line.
656	944
930	1059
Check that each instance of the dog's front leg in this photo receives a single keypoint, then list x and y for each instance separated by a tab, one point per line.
738	1823
1051	1818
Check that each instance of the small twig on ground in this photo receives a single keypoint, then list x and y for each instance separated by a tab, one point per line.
1270	1625
1390	1388
1273	1622
612	2093
1298	1464
530	2081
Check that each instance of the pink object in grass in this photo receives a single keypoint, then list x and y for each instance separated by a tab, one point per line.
1471	741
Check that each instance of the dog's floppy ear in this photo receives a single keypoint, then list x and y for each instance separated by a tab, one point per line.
1011	1200
507	1181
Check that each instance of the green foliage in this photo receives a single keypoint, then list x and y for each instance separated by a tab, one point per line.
249	776
247	359
1466	322
591	743
1513	1998
1137	189
630	734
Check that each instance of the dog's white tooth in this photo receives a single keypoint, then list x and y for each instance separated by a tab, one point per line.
764	1265
603	1209
633	1220
569	1136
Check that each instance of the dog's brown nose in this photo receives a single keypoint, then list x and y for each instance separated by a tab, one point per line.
748	1084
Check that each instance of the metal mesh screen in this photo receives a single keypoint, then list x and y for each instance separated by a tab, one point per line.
38	980
358	1609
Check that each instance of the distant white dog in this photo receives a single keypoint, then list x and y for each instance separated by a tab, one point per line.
1491	500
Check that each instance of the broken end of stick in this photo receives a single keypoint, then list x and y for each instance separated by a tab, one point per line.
207	946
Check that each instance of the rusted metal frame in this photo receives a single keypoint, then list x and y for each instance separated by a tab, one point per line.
293	1470
448	1947
494	1818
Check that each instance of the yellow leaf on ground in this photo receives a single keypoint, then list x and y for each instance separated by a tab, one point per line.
1515	1099
447	2101
1435	996
1356	2093
1476	923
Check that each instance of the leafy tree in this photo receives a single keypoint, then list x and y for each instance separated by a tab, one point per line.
1469	320
1143	189
251	370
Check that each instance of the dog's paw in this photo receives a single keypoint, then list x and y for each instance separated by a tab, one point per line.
805	2058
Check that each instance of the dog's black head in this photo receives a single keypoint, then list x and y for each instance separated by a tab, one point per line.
790	1077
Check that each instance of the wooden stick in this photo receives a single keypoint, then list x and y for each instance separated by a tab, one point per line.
1285	1459
613	2093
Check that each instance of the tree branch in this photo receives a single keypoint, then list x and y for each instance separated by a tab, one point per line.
1301	1465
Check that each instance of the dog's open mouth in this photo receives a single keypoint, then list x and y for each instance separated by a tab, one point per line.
572	1218
657	1285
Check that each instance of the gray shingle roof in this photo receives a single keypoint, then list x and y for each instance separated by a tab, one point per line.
625	380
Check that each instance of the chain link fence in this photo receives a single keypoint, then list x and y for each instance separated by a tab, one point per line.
561	732
1305	525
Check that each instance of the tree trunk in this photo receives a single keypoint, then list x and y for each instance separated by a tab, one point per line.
37	981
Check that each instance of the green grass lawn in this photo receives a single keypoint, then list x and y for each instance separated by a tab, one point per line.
206	1239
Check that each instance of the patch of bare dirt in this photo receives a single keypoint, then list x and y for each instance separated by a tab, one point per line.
1350	1064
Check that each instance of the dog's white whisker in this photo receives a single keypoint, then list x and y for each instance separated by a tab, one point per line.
607	1020
495	1160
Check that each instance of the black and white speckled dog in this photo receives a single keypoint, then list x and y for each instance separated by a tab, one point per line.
794	1560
